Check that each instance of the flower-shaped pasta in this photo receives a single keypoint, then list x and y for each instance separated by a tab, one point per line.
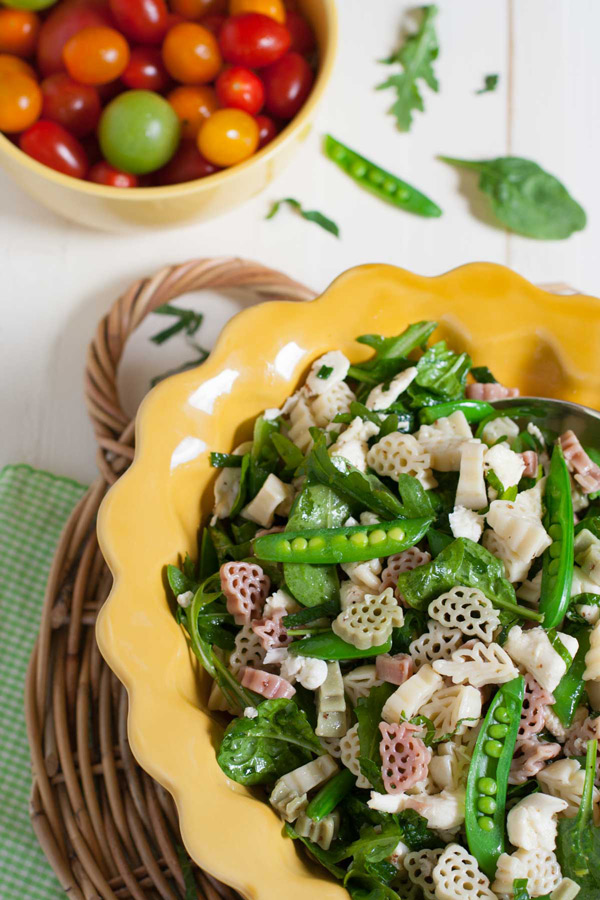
443	441
394	669
457	876
453	705
321	833
530	757
467	609
478	664
533	712
350	747
398	454
579	734
246	588
539	867
271	632
266	684
369	623
248	651
334	402
437	643
403	562
404	757
358	682
419	865
332	745
565	779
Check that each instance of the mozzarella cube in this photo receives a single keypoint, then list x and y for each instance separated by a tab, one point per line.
466	523
500	427
508	466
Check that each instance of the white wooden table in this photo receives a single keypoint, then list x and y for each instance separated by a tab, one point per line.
57	279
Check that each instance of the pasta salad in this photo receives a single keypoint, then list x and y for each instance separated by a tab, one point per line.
398	601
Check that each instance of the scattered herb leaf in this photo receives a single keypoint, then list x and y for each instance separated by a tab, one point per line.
311	215
490	83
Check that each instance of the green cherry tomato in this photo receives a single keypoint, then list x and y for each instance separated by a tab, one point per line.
33	5
138	132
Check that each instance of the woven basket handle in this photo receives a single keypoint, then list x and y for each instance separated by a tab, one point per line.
113	429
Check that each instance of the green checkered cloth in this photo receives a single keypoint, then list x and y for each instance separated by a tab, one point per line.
34	507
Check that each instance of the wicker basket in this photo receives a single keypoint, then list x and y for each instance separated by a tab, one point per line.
108	830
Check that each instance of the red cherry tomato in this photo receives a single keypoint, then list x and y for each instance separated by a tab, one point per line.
104	173
74	106
241	89
145	71
195	9
19	30
145	21
213	23
302	35
52	145
267	130
64	21
253	40
187	165
287	85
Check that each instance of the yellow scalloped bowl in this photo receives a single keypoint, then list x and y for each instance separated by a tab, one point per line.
548	345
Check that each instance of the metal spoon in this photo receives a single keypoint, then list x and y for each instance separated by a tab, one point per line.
560	415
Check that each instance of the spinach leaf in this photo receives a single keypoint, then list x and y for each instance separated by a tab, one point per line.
368	712
225	460
525	198
311	215
416	57
441	375
415	624
369	874
482	375
327	858
263	456
490	83
578	841
291	455
390	353
416	833
518	792
260	750
304	616
416	502
437	541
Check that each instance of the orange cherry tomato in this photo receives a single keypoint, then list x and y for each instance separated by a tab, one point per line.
195	9
96	55
10	64
20	102
193	105
228	137
272	8
19	31
191	54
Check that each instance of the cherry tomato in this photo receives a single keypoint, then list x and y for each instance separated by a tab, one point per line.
145	21
19	31
103	173
195	9
138	132
52	145
302	35
228	137
188	164
74	106
193	105
63	22
10	64
213	24
20	102
241	89
96	55
191	54
272	8
146	71
253	40
287	85
267	130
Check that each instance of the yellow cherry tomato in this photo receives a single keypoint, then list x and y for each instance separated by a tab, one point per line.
228	137
272	8
193	105
20	102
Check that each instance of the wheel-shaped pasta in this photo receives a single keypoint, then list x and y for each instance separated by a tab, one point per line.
453	709
350	752
524	534
436	643
404	757
334	402
364	574
535	703
332	746
400	454
530	758
359	681
457	876
369	623
592	657
321	833
301	421
515	566
246	588
467	609
539	867
403	562
271	632
419	865
248	650
478	664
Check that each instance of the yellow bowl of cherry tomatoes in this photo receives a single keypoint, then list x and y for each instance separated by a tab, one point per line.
122	114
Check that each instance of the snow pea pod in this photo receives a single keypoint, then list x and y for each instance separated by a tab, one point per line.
487	780
557	571
330	795
571	687
377	180
354	543
474	410
331	647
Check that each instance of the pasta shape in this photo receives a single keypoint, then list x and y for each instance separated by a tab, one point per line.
592	657
457	876
382	397
443	441
467	609
271	632
502	427
301	421
530	590
516	567
539	867
524	534
470	491
246	588
273	496
449	766
530	757
266	684
358	682
565	778
364	574
350	752
436	643
332	746
580	733
248	650
351	593
321	833
400	454
478	664
532	649
329	369
419	865
535	704
330	695
451	706
226	488
408	699
404	757
403	562
369	623
334	402
531	823
289	796
352	443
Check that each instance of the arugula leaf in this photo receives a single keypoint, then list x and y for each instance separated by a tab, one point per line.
490	83
368	713
482	375
311	215
578	841
180	582
525	198
390	353
263	456
291	455
441	375
416	502
187	319
416	58
260	750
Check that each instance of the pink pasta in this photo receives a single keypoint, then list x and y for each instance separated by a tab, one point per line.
492	391
578	736
533	713
530	757
404	757
268	685
271	632
276	529
394	669
530	458
402	562
246	588
587	473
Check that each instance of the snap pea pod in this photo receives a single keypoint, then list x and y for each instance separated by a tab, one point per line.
474	410
558	559
487	780
377	180
331	647
571	687
354	543
330	795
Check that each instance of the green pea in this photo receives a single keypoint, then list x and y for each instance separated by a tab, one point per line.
390	186
498	731
358	169
554	566
487	786
375	176
554	550
360	539
403	194
493	749
377	536
316	543
339	540
299	543
396	534
555	531
485	823
502	715
285	547
339	153
486	805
